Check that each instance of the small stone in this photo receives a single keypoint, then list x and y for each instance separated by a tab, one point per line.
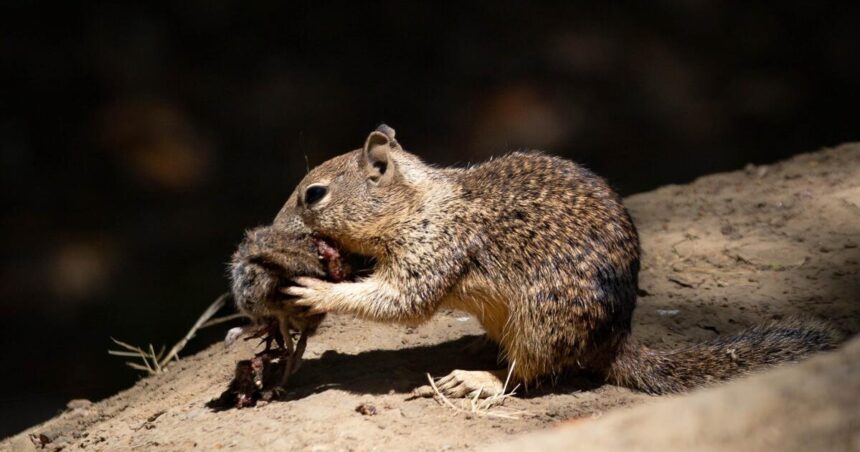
41	439
367	409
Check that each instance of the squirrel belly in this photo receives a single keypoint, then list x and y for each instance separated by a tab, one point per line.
540	250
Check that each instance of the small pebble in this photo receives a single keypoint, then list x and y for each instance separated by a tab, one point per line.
366	409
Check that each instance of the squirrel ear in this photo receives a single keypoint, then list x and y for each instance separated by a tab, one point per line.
377	161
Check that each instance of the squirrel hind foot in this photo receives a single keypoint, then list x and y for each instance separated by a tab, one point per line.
471	383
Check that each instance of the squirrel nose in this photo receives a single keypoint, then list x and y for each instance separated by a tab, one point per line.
289	221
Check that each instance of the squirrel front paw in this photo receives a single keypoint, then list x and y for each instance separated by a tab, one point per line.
313	293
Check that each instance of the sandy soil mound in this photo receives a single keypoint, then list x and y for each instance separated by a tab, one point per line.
722	253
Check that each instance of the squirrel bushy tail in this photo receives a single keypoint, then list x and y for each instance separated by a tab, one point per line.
667	371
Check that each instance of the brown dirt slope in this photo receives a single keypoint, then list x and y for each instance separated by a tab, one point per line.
724	252
810	406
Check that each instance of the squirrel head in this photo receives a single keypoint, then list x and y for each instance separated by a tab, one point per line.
356	199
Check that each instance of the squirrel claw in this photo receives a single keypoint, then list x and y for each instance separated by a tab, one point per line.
309	283
296	291
422	392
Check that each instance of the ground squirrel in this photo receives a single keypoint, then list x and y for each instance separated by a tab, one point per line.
540	250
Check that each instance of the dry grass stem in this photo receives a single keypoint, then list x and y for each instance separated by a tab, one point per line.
222	319
154	363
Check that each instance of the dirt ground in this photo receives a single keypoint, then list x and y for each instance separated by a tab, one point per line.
725	252
812	406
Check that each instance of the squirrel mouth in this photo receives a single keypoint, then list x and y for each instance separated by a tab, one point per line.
333	259
340	265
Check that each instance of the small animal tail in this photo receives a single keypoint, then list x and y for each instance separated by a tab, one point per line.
667	371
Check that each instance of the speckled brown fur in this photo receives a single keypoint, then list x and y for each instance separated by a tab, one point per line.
539	249
264	261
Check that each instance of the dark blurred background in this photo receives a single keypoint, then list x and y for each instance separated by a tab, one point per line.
140	139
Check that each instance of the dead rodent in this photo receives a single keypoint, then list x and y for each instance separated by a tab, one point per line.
266	261
247	385
269	259
540	250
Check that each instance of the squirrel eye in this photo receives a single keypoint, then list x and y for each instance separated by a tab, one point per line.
314	193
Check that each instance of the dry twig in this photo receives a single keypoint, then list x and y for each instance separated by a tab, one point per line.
154	363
